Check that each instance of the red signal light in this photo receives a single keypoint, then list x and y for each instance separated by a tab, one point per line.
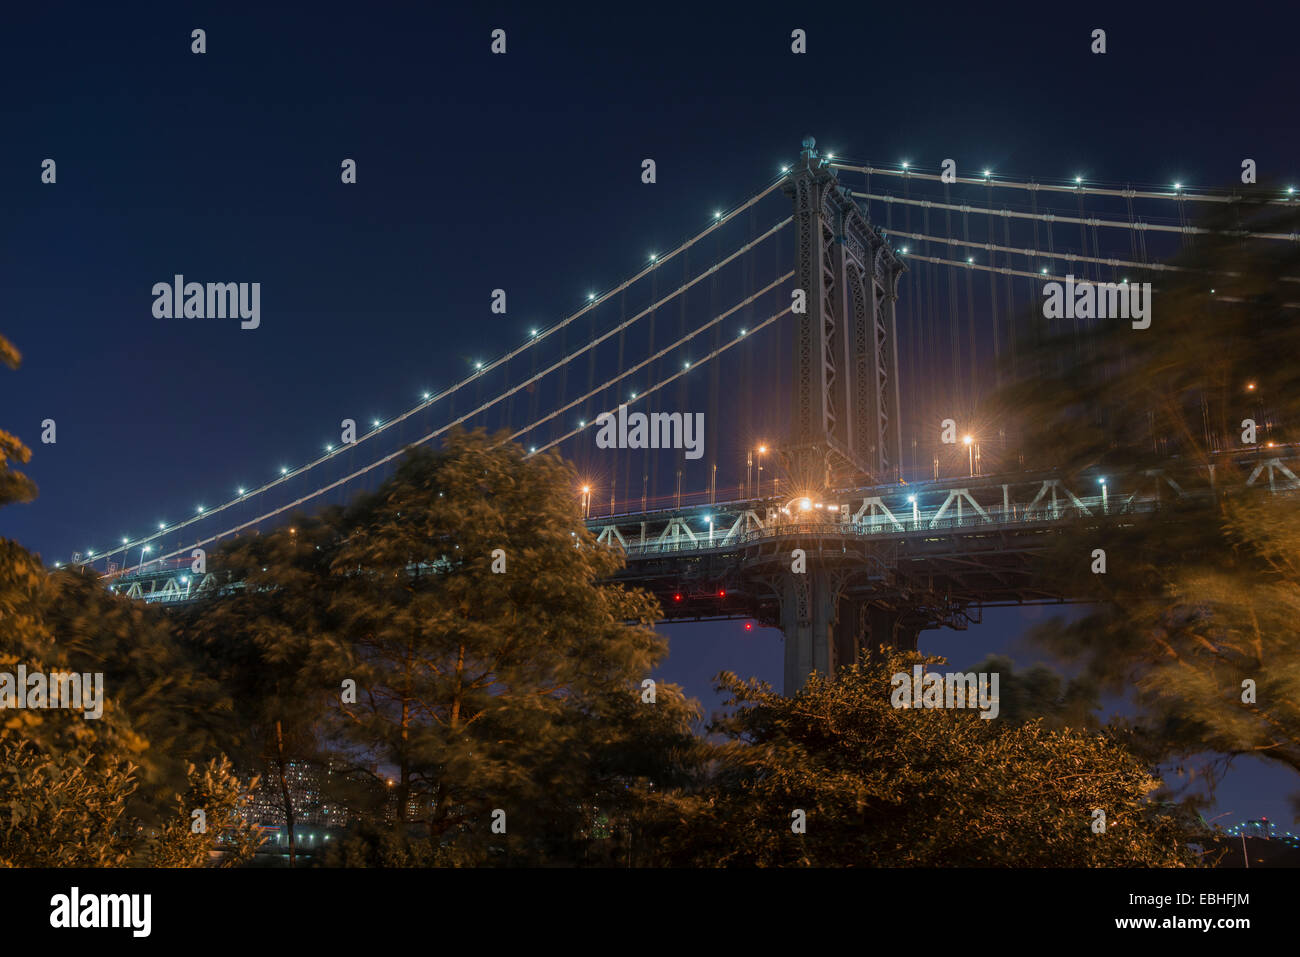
722	593
677	597
749	626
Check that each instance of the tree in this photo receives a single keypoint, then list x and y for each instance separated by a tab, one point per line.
1196	614
494	670
206	821
884	786
71	784
260	638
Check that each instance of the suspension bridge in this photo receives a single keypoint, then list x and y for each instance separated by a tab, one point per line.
836	322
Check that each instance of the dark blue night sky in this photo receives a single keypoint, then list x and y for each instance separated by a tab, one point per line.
478	171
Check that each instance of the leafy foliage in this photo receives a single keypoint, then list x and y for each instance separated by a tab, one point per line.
886	786
1202	596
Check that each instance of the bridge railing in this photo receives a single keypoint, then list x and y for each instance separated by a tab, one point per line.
882	527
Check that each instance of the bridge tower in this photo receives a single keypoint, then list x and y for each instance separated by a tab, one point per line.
845	422
846	427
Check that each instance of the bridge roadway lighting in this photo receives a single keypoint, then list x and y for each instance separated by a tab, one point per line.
1105	499
970	453
143	552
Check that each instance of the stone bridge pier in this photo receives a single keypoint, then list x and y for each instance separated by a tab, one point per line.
827	623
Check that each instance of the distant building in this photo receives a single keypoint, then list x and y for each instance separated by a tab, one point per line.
306	785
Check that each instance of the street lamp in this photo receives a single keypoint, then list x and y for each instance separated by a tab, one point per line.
709	519
970	452
758	491
1104	498
586	501
916	512
143	552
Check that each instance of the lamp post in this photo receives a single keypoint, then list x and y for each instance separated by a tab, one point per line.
916	512
1104	498
758	491
970	453
143	552
586	501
